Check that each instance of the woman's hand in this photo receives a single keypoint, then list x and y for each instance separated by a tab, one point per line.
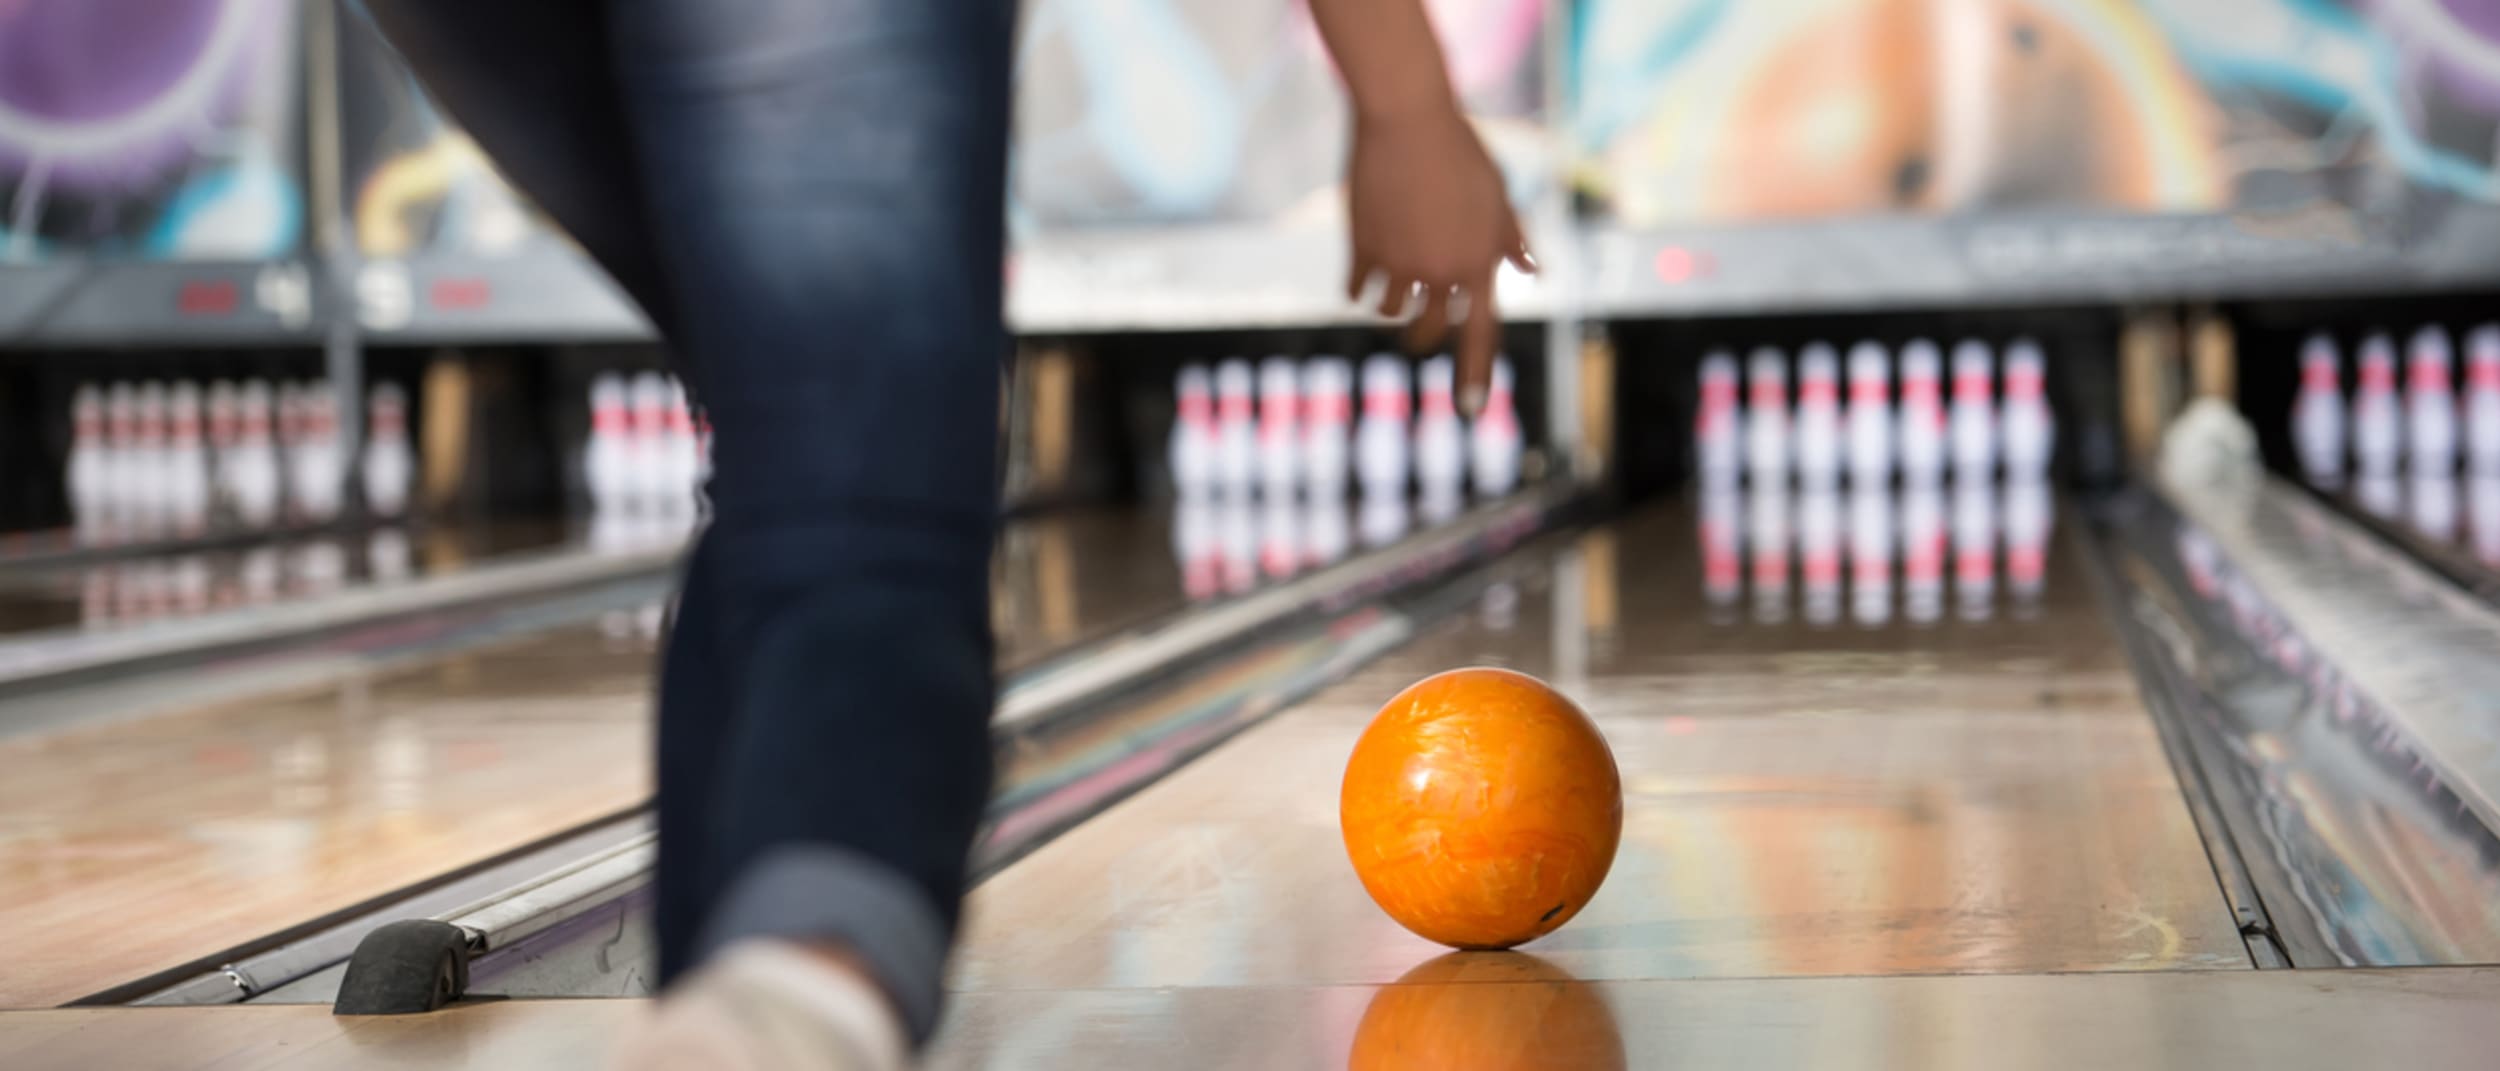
1427	211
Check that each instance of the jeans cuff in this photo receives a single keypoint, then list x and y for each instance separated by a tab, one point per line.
821	892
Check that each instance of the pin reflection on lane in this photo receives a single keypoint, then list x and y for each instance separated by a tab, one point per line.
142	590
1749	535
1767	524
2432	507
1722	547
1974	546
1818	539
1226	546
1870	554
1923	552
2483	500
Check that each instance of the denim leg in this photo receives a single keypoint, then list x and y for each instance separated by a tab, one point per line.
534	85
825	183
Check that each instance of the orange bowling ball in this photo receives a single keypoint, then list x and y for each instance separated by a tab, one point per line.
1481	808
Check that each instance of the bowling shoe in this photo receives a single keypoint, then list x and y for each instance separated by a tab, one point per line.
763	1005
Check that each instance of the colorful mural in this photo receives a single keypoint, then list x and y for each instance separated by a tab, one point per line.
1710	111
160	129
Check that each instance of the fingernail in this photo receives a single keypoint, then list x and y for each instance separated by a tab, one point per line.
1471	400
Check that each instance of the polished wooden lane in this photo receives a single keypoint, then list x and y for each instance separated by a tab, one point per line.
130	845
1462	1011
1962	796
136	590
136	846
1523	1013
1072	576
306	1037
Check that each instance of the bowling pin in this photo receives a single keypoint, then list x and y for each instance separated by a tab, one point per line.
1818	548
2376	422
1767	531
1380	441
2318	413
1922	551
86	473
1766	416
1327	426
2027	513
1922	413
334	458
1818	416
291	451
1440	444
703	462
122	476
2482	400
683	453
647	394
2431	404
389	462
155	473
1974	545
1190	454
225	443
1718	423
186	460
1870	415
1236	429
1870	553
258	482
1722	542
322	466
1280	427
2029	430
607	459
1493	441
1973	423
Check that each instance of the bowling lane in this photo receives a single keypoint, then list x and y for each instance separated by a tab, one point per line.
139	589
1937	791
135	842
1061	578
1069	577
1075	576
136	845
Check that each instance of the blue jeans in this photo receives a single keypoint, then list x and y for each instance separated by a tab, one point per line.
806	197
